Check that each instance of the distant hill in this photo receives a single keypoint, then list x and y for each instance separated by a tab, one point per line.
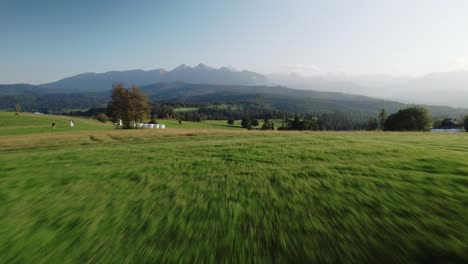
267	97
440	88
17	89
446	88
285	99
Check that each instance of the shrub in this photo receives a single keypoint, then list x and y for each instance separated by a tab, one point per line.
255	122
267	125
230	121
102	117
246	123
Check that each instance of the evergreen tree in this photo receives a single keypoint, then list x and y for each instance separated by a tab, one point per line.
296	123
267	125
382	119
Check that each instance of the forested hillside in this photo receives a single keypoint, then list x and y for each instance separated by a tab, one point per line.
275	98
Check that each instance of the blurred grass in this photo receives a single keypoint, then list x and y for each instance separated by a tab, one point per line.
192	195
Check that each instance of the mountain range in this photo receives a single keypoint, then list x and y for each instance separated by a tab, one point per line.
202	83
200	74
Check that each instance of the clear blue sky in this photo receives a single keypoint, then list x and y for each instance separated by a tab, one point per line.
45	40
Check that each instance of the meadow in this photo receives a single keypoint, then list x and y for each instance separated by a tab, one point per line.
211	195
28	123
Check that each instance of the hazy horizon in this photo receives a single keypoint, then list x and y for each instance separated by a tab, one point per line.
44	41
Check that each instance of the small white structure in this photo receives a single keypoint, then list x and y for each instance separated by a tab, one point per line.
144	125
449	130
72	124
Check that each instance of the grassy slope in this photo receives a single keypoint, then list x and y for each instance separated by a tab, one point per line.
28	123
233	195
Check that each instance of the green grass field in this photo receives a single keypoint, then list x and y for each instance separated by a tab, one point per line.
206	195
28	123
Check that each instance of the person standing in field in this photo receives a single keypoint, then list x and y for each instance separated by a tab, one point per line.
53	125
72	124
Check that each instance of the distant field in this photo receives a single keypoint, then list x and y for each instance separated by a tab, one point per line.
186	109
218	106
205	195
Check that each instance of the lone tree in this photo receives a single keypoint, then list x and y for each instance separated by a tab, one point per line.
17	109
382	119
410	119
129	105
230	121
465	123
